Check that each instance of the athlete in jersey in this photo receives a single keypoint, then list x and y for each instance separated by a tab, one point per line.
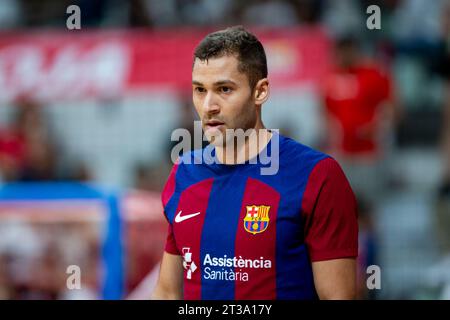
237	231
244	235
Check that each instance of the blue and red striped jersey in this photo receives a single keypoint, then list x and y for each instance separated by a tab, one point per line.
244	235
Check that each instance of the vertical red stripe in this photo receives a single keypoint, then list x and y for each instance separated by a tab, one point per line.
188	233
328	194
169	188
261	282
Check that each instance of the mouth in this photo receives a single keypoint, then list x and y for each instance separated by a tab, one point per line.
213	124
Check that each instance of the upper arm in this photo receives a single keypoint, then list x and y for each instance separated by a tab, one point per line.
170	280
331	230
329	214
335	279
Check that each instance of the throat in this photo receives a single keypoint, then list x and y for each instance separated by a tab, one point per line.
240	149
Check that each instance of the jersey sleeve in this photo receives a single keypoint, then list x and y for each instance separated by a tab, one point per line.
166	195
169	187
329	213
171	245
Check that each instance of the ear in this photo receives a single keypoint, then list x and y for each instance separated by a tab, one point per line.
261	93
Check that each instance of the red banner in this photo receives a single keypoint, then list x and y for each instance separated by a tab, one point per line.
71	65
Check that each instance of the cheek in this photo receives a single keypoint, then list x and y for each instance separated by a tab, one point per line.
241	102
197	104
242	113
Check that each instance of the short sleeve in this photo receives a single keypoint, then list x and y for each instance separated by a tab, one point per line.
329	213
171	246
166	195
169	187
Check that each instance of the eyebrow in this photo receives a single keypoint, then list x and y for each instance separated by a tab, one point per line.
217	83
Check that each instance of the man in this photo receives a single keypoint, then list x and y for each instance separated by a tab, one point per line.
235	233
360	113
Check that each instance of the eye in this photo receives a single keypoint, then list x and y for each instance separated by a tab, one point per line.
200	89
225	89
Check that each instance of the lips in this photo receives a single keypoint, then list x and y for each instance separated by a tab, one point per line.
213	124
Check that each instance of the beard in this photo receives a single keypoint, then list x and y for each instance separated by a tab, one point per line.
223	136
231	133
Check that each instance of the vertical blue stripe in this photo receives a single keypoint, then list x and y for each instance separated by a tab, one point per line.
222	214
113	283
294	271
112	250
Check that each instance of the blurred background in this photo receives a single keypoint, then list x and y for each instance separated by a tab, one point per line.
86	118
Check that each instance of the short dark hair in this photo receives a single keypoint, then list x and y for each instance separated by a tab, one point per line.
236	41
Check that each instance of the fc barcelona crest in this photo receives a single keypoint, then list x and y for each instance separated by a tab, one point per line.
257	219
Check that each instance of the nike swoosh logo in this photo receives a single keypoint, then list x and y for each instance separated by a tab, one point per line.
179	218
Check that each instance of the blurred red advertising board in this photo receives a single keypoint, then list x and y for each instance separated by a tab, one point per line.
51	65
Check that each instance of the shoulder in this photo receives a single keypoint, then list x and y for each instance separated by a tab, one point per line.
317	166
298	155
328	170
191	167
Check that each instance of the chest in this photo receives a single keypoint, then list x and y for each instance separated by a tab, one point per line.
238	213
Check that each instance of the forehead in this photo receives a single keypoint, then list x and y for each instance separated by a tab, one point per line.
217	69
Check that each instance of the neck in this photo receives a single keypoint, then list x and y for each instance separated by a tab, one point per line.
240	150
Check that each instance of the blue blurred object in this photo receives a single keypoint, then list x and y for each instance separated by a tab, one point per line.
112	250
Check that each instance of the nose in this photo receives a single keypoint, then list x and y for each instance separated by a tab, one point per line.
210	104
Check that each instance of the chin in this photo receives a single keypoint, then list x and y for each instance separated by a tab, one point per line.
217	139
